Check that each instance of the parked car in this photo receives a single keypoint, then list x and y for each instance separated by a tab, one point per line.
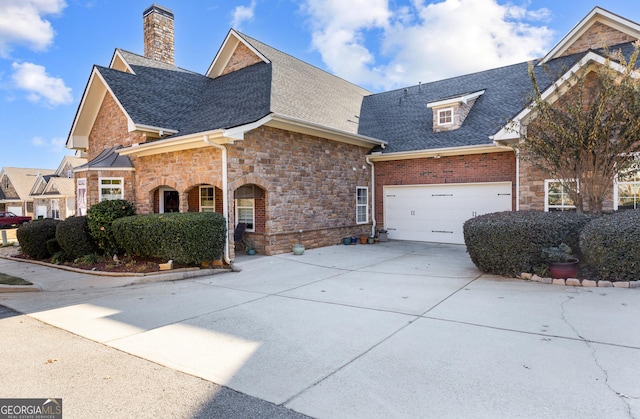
9	219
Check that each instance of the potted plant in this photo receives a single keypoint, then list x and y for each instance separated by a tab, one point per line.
249	246
298	248
562	263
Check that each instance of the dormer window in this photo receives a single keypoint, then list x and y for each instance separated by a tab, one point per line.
450	113
445	116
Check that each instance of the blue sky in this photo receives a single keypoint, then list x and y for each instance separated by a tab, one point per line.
48	47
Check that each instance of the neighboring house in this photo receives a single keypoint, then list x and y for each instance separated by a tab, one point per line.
54	196
300	155
15	185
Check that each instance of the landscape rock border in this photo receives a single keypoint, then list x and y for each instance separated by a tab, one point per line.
575	282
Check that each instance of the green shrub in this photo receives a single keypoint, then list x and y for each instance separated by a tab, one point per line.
33	237
74	238
611	245
100	217
509	243
53	246
189	238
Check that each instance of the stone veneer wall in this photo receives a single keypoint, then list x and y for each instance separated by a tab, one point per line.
532	193
180	170
309	183
596	37
110	129
158	34
242	57
474	168
460	112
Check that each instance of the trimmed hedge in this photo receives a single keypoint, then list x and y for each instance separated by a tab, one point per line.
100	217
509	243
74	237
33	237
189	238
611	245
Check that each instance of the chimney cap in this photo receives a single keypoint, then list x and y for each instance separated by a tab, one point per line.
158	9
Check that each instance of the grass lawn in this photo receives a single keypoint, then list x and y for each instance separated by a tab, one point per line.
12	280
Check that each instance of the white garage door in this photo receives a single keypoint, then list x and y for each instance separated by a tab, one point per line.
436	213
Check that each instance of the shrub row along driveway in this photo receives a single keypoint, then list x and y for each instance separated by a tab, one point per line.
396	329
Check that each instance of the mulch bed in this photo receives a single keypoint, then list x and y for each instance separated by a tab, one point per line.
125	264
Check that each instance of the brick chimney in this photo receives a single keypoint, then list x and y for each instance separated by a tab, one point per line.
158	33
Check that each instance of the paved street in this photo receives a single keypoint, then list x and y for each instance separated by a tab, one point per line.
96	381
397	329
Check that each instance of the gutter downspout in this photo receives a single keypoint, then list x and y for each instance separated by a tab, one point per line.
225	193
373	196
517	180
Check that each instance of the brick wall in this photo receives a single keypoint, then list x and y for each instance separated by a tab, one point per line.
598	36
242	57
488	167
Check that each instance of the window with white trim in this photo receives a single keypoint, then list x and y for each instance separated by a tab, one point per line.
55	209
557	197
627	191
362	205
111	188
207	199
245	212
445	116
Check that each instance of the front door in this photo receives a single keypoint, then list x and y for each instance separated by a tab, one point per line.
171	201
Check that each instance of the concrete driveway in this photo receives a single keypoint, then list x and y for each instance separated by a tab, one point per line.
398	329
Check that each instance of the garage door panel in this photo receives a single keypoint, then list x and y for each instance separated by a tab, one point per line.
437	212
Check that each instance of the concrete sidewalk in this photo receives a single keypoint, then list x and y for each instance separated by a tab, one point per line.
397	329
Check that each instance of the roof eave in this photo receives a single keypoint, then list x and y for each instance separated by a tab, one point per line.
436	153
304	127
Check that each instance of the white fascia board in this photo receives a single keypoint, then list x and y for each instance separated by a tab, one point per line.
79	140
304	127
511	130
597	14
151	128
119	63
225	52
35	186
170	144
439	152
458	99
237	133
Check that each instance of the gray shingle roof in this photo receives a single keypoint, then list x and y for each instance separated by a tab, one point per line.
165	96
401	117
108	159
303	91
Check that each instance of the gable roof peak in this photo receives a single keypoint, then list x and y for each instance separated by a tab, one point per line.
226	51
597	15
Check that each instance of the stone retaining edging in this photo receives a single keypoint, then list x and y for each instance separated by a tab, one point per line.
575	282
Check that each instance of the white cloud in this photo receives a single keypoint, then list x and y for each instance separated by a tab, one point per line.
55	145
242	14
22	22
34	79
368	43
